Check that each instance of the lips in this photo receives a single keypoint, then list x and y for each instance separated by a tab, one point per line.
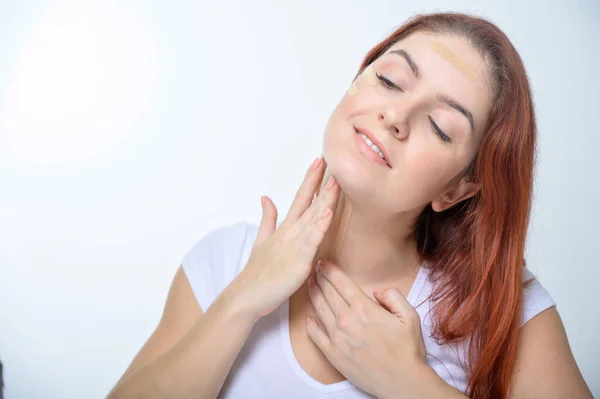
375	141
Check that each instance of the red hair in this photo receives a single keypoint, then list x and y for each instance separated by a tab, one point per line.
475	250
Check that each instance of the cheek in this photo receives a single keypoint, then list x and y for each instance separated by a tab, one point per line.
338	127
427	173
332	132
349	107
431	165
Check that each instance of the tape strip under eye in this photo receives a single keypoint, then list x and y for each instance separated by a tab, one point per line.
369	75
352	90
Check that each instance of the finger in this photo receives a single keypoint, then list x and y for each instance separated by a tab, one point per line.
334	300
306	192
347	289
327	198
394	301
322	308
268	221
318	336
314	223
315	317
319	204
321	191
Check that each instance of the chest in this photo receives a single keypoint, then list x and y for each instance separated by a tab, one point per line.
280	360
308	355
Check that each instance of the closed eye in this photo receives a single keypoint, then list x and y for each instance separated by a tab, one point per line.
436	129
388	84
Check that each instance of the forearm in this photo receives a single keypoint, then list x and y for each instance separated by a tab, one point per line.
199	363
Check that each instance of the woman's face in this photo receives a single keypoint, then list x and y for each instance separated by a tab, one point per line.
427	141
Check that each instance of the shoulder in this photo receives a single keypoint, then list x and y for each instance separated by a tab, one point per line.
225	241
545	365
536	298
216	258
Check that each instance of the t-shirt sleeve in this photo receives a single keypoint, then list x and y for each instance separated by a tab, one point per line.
535	298
215	260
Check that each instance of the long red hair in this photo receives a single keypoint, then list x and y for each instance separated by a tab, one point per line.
475	250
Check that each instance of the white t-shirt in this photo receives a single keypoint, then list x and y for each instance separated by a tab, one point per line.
266	367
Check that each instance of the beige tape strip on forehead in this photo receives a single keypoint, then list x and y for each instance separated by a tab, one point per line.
453	59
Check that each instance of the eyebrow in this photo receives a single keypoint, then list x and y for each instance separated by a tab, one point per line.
411	63
441	97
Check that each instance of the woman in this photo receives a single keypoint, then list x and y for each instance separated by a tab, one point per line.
423	201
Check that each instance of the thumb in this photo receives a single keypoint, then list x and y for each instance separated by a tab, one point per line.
268	221
393	300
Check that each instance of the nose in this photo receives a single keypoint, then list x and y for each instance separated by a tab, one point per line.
393	123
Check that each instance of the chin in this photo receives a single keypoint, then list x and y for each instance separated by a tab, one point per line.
345	160
355	180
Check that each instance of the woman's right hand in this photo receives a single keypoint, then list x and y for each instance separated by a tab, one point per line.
282	258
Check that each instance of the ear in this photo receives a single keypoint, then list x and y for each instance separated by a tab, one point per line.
460	192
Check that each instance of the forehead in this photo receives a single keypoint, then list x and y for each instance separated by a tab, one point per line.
448	65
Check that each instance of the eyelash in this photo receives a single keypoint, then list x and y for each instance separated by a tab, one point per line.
389	85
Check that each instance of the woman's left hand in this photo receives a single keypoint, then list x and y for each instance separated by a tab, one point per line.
379	349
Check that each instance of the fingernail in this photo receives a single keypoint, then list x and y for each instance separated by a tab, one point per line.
316	162
331	182
318	268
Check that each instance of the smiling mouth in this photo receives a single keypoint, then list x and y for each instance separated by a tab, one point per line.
372	146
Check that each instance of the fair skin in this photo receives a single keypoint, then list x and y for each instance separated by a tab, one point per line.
378	251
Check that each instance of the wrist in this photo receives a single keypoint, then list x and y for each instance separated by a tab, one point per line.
426	384
234	304
435	386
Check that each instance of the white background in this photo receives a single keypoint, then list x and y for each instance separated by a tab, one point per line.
129	130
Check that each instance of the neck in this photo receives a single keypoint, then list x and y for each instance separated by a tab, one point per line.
372	249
